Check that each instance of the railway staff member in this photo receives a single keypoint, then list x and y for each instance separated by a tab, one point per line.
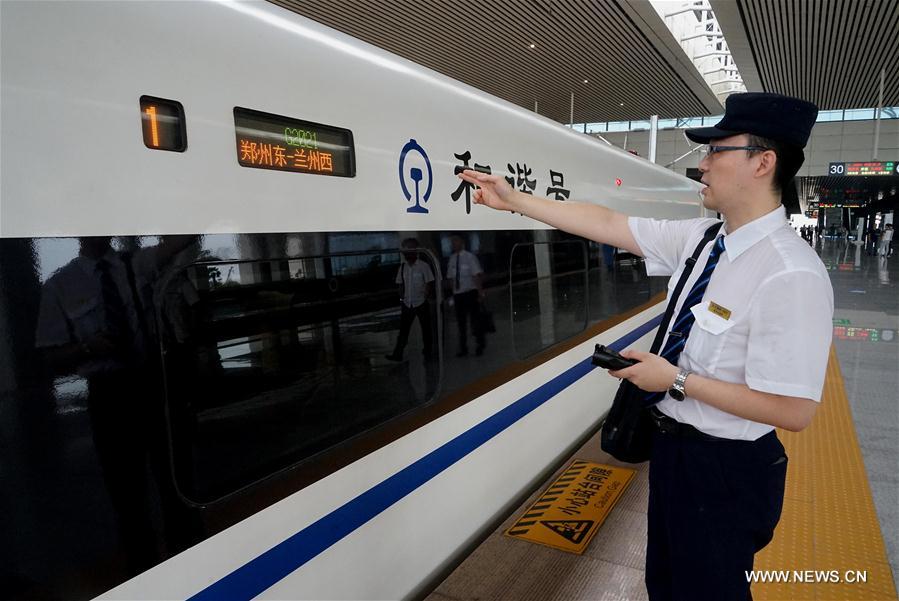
466	277
95	319
886	240
754	327
416	281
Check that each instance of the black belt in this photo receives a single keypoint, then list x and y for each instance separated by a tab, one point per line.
667	425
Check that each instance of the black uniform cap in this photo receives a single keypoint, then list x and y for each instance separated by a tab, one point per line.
773	116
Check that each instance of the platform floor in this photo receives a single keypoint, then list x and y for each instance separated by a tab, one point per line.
866	295
842	495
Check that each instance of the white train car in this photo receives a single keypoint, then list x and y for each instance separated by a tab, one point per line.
200	209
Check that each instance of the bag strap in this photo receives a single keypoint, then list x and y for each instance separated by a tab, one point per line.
710	233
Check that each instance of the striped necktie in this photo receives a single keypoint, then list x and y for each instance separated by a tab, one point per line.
677	337
114	307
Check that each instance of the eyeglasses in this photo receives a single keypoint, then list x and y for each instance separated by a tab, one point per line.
710	150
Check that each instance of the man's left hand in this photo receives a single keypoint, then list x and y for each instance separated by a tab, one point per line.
652	373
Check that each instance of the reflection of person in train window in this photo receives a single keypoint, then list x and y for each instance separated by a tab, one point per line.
886	241
416	282
608	257
873	238
89	322
96	320
466	278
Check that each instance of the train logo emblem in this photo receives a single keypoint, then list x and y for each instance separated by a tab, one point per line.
416	175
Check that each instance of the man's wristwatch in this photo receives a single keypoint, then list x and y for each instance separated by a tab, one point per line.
677	389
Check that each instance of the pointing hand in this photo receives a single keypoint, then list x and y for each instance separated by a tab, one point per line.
495	192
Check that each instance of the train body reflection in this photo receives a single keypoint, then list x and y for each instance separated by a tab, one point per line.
215	334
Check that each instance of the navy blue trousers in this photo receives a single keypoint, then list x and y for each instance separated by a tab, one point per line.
712	505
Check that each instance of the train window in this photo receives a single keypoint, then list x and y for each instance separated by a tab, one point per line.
266	141
162	123
269	362
549	293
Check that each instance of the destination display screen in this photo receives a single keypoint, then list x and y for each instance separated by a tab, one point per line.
865	168
266	141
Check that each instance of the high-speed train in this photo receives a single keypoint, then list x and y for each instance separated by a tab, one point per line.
202	206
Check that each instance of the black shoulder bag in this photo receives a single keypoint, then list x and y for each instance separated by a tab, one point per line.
627	430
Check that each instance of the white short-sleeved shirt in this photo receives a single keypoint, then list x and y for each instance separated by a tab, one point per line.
777	337
469	266
72	310
414	279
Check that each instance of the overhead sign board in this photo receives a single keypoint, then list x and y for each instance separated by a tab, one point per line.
865	168
868	334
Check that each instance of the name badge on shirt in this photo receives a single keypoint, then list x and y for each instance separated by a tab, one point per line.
719	310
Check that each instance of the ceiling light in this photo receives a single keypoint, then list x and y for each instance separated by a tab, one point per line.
620	104
585	81
533	46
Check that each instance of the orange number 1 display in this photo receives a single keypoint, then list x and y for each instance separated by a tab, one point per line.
162	122
154	126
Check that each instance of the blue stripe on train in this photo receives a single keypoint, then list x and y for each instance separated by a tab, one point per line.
267	569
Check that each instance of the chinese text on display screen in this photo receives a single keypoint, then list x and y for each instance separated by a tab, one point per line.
266	141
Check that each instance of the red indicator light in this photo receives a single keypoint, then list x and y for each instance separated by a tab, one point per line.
617	181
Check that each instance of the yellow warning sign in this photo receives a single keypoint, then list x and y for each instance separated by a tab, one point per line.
570	511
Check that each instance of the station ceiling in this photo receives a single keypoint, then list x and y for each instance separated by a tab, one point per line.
633	66
828	51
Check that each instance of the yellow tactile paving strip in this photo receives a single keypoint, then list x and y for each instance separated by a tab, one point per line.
829	522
